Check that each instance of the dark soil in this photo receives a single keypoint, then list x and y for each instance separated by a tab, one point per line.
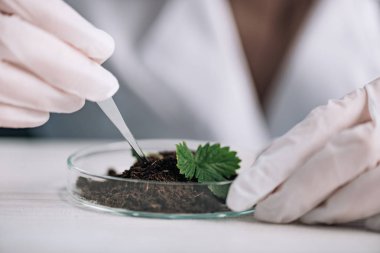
149	196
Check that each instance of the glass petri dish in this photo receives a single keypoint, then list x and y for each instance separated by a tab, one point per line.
89	185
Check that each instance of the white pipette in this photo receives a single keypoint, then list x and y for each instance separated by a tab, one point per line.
109	107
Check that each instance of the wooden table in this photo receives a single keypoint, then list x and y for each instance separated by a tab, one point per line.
35	216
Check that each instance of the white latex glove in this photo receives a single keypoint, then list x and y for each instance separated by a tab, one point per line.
324	170
49	61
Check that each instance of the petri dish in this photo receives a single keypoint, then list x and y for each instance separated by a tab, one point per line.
89	185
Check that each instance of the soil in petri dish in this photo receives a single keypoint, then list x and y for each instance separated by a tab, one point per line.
152	196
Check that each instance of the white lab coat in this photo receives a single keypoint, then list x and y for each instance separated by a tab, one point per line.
183	60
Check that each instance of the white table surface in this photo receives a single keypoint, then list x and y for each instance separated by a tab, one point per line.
35	216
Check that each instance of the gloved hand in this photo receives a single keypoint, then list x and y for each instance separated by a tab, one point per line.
324	170
49	61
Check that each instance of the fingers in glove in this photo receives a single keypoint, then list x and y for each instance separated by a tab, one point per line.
344	158
357	200
4	52
22	89
373	223
54	61
58	18
17	117
292	150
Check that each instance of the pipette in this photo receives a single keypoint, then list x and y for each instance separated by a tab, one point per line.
110	109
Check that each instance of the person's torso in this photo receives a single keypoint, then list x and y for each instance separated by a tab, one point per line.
184	75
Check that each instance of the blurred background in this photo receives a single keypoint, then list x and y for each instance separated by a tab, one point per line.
190	69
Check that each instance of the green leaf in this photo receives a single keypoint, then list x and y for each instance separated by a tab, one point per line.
210	163
185	160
